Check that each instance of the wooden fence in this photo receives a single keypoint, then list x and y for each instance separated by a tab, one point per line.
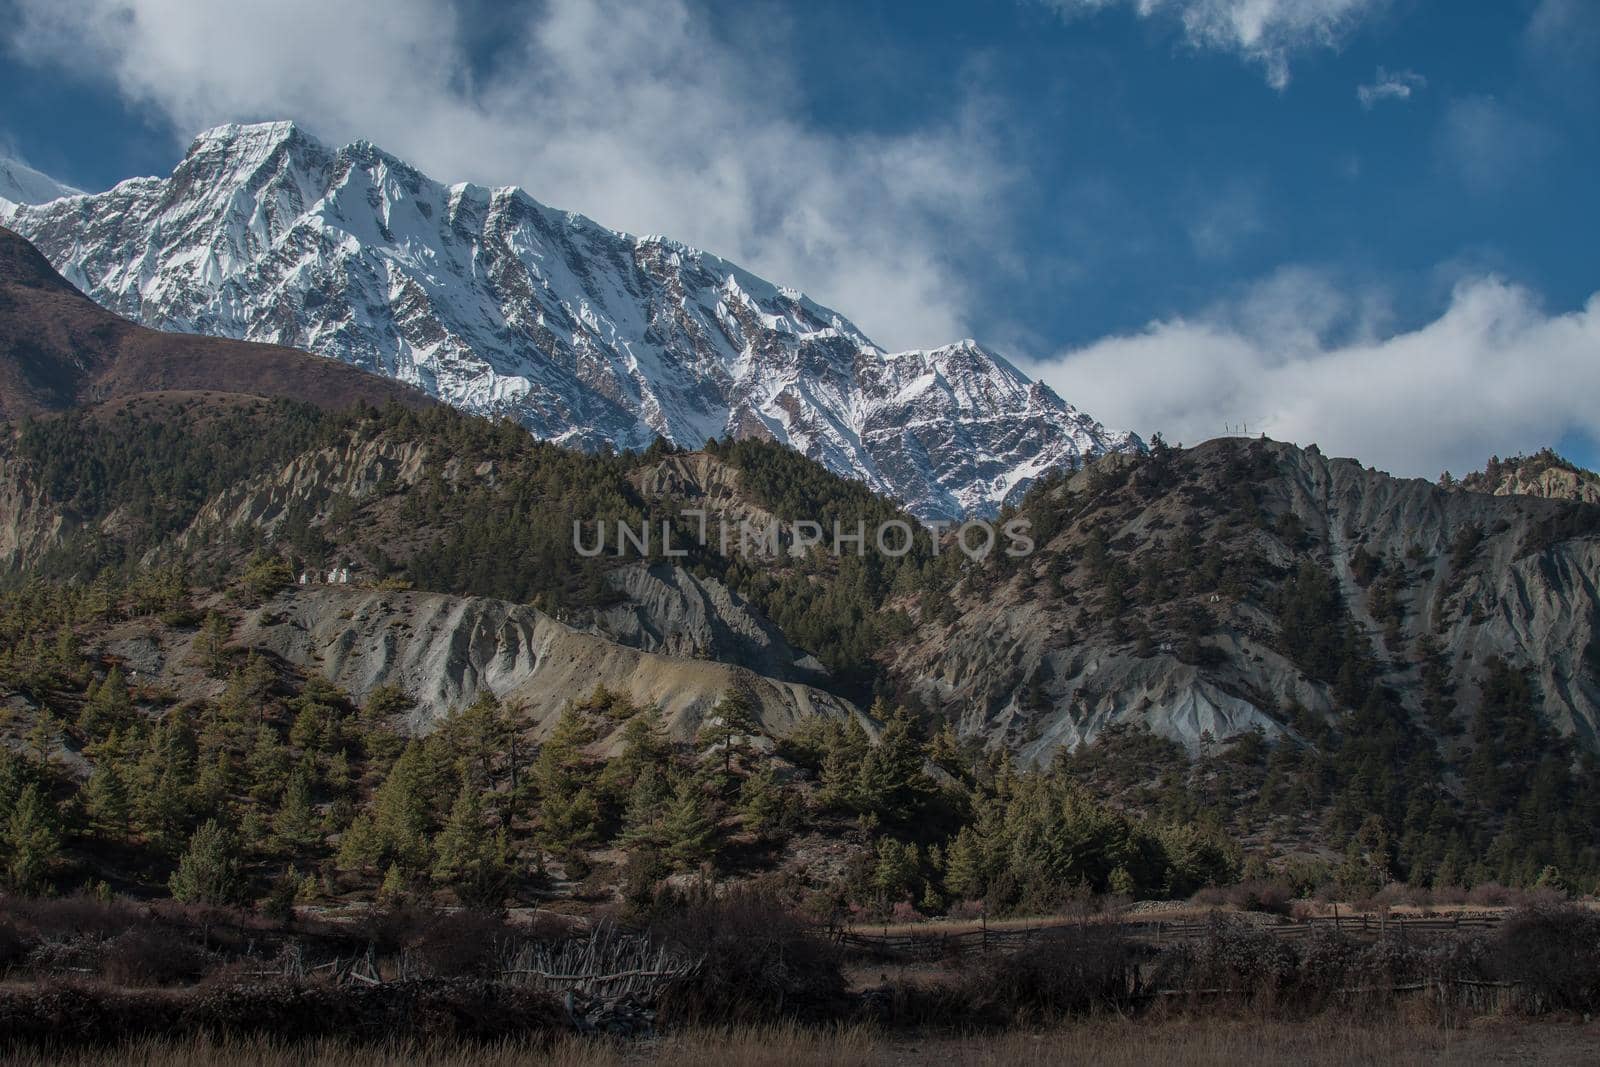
935	944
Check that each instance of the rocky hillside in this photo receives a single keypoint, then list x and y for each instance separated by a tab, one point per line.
1254	585
445	652
1285	645
395	500
500	305
1543	474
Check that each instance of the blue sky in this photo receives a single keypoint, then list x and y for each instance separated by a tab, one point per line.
1369	223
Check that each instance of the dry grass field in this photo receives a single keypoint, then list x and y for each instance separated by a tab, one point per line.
1237	1042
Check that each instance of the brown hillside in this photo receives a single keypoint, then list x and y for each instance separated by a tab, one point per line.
59	349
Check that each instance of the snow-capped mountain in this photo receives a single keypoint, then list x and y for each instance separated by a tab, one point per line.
500	305
21	184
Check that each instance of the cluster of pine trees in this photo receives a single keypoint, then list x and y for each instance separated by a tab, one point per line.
281	788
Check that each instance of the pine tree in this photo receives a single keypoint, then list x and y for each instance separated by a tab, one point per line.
380	739
562	766
1551	878
208	871
896	870
32	843
337	775
729	727
210	644
647	803
842	756
106	801
214	782
482	735
312	726
43	739
569	812
892	782
164	782
295	824
944	750
964	869
469	858
107	705
395	888
400	810
645	748
569	822
267	764
688	829
761	800
359	846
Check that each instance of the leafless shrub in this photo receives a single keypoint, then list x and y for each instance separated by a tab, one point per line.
1071	970
1553	954
78	915
456	944
757	961
64	956
13	949
146	957
62	1016
1263	895
1232	957
1490	894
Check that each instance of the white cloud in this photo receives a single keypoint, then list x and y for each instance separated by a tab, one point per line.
636	114
1390	85
1303	360
1267	32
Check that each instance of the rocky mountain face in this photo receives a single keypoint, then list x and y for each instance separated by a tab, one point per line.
1255	585
497	304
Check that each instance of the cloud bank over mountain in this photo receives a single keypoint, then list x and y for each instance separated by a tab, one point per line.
1303	359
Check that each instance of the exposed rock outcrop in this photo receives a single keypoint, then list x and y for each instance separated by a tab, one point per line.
667	609
446	650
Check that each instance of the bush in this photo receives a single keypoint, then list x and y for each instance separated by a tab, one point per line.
1232	956
78	915
443	944
61	1017
1490	895
1324	969
146	957
1263	895
1553	952
13	949
758	961
459	944
1071	970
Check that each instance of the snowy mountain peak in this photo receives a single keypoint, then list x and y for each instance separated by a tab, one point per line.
21	184
496	303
